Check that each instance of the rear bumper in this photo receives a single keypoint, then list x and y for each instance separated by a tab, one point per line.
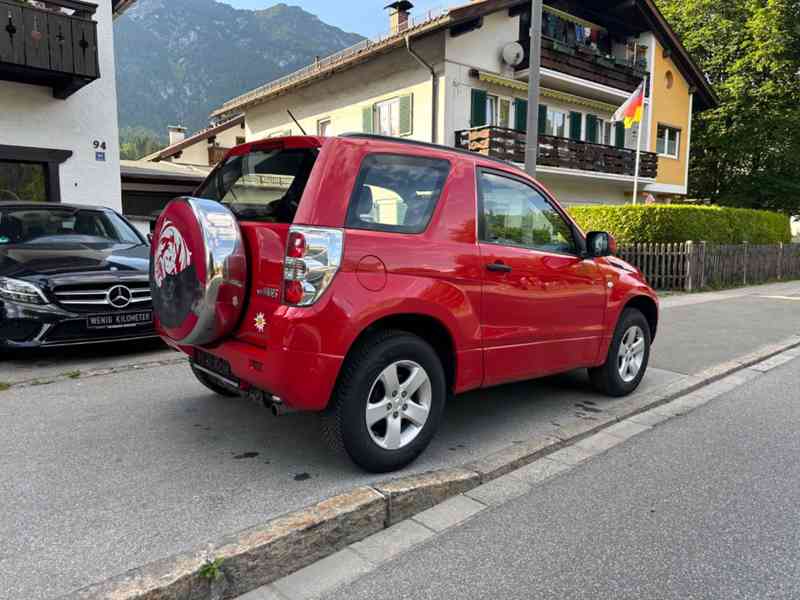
302	380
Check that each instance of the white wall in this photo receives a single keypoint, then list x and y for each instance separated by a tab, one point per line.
585	190
31	117
342	97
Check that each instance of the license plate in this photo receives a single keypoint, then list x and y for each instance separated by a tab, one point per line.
120	320
220	366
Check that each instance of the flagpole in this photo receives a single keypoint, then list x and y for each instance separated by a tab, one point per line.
639	137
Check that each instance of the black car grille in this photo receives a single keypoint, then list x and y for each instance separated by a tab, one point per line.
95	298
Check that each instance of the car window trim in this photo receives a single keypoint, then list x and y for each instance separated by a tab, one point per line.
578	240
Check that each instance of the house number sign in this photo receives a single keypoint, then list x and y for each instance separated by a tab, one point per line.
100	147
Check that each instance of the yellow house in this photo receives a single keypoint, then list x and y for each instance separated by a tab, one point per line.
459	77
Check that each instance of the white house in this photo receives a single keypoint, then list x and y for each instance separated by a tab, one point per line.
58	102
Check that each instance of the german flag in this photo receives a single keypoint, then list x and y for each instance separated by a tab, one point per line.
631	111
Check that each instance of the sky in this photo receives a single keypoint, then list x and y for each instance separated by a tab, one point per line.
366	17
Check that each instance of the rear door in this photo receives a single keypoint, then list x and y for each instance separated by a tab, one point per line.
543	305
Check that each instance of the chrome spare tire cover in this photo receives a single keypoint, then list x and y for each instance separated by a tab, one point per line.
198	271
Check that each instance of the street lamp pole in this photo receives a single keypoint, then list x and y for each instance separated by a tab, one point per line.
534	64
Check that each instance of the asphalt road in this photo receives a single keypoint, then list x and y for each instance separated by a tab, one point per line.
702	506
103	474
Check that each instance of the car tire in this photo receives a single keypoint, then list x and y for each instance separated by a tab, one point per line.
374	379
214	385
628	356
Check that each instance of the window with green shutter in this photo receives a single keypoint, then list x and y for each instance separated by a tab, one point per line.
406	108
521	115
591	129
366	119
619	135
477	113
575	125
542	119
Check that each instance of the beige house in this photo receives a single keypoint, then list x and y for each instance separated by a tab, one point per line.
459	77
204	148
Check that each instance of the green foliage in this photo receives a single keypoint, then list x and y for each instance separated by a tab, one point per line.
664	223
211	570
137	142
746	152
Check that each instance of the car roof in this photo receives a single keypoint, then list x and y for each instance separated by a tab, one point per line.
12	204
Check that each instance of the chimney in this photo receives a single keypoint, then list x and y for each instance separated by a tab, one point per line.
176	134
399	13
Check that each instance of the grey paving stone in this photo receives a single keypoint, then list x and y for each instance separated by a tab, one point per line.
599	442
263	593
499	490
450	512
538	471
773	363
626	429
390	542
571	455
323	575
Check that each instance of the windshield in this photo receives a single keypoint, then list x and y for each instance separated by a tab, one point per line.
262	185
55	225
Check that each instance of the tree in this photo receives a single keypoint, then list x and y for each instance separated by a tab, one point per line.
746	152
137	142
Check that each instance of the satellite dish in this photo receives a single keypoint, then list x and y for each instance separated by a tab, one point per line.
513	54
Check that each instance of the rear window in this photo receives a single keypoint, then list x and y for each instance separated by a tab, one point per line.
262	185
396	193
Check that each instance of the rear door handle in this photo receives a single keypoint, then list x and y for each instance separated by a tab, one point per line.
499	267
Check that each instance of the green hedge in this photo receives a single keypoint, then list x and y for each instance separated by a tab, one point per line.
666	223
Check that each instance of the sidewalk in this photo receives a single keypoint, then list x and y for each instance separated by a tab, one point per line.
107	473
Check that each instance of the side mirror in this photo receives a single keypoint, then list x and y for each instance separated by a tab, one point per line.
600	243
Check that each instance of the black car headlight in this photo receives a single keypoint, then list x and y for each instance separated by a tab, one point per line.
17	290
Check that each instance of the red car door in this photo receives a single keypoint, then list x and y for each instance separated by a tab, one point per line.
543	305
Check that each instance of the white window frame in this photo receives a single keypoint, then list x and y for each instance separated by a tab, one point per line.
327	121
552	132
493	110
392	105
670	131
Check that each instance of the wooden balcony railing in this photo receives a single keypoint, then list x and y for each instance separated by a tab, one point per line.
49	48
583	62
509	144
216	154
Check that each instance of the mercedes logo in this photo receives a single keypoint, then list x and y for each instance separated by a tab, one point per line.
119	296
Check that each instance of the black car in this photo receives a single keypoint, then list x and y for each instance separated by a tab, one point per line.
71	275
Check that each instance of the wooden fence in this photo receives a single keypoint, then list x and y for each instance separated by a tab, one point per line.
693	266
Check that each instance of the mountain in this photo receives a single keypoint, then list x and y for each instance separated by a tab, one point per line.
177	60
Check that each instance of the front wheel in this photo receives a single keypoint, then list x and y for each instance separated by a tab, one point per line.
388	403
628	356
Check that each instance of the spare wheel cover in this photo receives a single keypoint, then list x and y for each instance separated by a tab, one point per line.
198	271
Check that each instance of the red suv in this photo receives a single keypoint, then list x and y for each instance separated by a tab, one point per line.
370	278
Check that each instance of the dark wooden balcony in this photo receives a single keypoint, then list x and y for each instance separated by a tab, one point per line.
586	63
216	154
49	48
509	144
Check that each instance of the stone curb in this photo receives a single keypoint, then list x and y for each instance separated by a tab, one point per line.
263	554
91	373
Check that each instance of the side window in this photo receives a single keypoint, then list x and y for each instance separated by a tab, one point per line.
396	193
515	214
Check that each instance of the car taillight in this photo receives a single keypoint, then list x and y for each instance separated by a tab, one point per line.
313	256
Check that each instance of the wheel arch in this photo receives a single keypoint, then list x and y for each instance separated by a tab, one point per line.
426	327
648	307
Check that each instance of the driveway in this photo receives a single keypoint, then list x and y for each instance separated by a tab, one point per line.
102	474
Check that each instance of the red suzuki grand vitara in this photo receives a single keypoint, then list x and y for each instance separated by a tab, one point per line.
370	278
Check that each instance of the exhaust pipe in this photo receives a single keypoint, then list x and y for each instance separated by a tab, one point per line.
279	409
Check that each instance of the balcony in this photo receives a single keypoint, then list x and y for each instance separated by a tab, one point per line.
587	63
509	144
54	47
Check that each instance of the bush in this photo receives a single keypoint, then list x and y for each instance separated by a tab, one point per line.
667	223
